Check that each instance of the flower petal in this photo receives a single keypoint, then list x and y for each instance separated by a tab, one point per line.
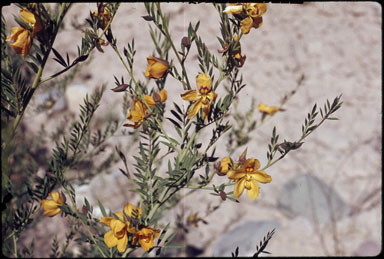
191	95
128	209
234	9
239	188
194	109
122	243
106	221
149	100
236	174
206	107
212	96
27	16
203	81
246	25
253	191
110	240
55	196
262	177
163	95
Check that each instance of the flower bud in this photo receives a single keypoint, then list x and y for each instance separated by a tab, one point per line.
186	42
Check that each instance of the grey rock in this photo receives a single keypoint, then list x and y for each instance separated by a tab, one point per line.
308	196
246	236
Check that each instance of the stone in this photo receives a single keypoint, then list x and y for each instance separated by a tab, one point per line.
246	236
310	197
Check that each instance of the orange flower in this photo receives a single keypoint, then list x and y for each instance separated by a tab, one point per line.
137	114
156	67
145	237
21	40
202	98
32	21
51	207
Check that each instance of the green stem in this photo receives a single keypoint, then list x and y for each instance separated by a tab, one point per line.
168	36
37	81
15	246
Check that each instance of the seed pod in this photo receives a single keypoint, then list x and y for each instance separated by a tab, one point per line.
223	195
147	18
120	88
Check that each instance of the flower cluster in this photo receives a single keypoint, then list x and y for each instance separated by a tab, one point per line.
122	227
22	37
246	174
250	14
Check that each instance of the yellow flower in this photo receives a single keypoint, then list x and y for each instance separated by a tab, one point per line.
21	37
21	40
247	177
225	165
156	67
106	17
137	114
145	237
253	18
118	235
202	98
157	97
270	110
51	207
32	21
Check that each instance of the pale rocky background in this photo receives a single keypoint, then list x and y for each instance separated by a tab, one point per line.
325	198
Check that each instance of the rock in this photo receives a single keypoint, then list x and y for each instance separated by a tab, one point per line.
246	236
308	196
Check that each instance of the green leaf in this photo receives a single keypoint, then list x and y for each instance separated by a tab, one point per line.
102	209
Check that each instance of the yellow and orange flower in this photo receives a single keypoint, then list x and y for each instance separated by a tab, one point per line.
156	67
118	235
21	37
270	110
247	177
202	98
251	14
145	236
51	207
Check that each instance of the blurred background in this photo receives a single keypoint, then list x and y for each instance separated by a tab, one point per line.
324	199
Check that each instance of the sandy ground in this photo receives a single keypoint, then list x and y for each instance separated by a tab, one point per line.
337	46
